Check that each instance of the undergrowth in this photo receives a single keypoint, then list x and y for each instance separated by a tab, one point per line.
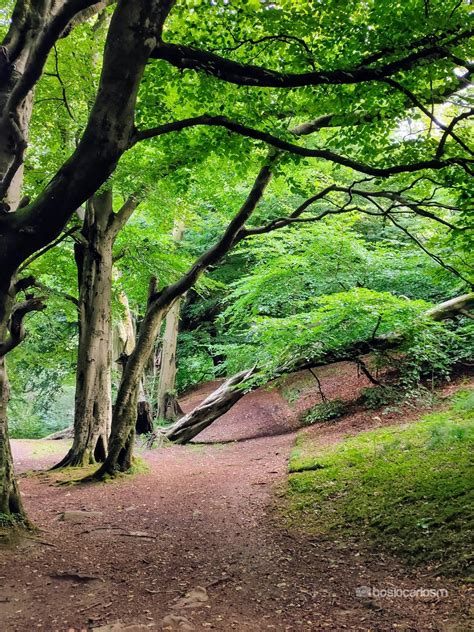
408	489
325	411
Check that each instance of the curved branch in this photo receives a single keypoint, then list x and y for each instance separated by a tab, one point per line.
430	254
417	103
51	32
283	145
249	75
16	326
51	245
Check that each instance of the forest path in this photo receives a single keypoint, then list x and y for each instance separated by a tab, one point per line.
202	517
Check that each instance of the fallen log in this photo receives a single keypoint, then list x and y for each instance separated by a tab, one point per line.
65	433
213	407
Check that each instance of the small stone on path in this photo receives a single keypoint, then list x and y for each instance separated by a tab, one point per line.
78	516
193	598
175	622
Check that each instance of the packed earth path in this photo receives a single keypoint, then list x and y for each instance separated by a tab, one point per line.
197	543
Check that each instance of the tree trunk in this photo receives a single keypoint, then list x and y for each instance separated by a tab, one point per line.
93	407
144	423
213	407
123	344
10	502
119	458
167	401
11	508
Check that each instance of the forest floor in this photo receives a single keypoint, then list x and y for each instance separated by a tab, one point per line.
197	542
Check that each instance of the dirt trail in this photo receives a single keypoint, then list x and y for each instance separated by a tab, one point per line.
203	517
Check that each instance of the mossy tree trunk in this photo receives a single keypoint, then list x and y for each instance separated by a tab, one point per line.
94	258
10	503
12	332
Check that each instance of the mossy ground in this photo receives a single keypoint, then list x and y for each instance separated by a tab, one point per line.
409	489
75	475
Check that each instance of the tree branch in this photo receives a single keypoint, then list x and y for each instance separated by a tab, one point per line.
122	216
416	102
449	129
433	256
49	246
52	31
16	326
248	75
283	145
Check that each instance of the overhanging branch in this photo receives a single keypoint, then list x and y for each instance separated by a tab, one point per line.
249	75
283	145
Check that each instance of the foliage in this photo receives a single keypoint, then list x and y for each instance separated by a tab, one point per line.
194	362
378	396
326	411
408	489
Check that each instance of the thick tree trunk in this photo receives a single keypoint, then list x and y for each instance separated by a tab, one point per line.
93	407
213	407
10	502
11	507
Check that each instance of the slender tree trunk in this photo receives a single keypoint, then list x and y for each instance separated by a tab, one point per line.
167	401
119	458
123	344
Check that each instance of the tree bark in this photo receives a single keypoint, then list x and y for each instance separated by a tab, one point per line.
11	507
167	401
123	344
213	407
119	458
93	405
12	332
10	502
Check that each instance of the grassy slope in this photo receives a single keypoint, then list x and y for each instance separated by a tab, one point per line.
409	488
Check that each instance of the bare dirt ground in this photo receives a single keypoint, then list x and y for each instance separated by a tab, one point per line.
196	542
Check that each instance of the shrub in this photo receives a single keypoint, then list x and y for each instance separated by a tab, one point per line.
378	396
326	411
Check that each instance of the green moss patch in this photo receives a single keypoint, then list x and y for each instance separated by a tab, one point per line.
409	489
